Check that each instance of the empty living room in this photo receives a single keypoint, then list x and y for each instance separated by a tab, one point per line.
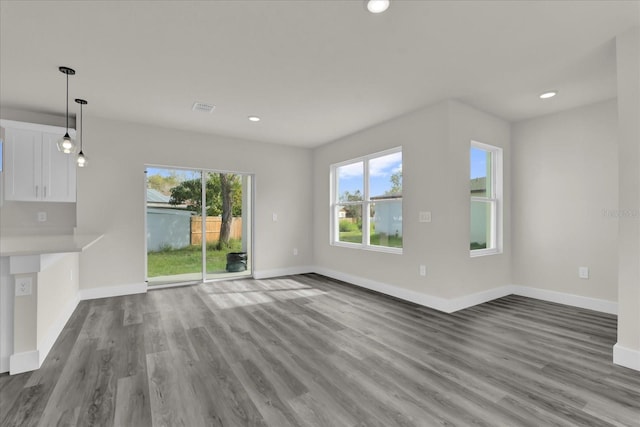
205	221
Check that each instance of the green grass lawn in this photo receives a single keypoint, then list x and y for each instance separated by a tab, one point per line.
376	239
189	260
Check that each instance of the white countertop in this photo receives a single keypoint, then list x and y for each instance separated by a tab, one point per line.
36	245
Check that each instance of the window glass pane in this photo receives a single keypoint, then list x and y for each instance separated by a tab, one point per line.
385	176
480	161
350	182
386	223
350	223
481	223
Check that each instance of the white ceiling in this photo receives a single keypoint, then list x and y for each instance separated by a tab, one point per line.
313	70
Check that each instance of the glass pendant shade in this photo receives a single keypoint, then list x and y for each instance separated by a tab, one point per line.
66	145
82	160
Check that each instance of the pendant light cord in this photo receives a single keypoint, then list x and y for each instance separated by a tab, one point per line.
81	126
68	104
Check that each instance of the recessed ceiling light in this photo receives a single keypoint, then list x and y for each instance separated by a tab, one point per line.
254	118
377	6
201	106
549	94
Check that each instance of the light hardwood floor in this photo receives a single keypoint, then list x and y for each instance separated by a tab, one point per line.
310	351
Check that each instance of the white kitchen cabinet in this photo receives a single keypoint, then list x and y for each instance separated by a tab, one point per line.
34	169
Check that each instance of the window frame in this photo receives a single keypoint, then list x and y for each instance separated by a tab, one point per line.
365	203
494	198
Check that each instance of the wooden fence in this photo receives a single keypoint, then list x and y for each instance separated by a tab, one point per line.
213	229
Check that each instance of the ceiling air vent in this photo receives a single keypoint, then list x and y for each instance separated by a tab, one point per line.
201	106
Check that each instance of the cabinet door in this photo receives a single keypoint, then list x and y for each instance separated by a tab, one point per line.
23	165
58	171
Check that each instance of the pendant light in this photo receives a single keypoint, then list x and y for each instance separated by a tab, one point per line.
81	160
66	144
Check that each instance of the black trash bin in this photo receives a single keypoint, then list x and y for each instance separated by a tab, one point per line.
236	261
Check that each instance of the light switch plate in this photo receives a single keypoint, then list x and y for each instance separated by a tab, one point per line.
424	216
583	272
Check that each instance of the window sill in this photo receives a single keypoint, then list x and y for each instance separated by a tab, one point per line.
384	249
484	252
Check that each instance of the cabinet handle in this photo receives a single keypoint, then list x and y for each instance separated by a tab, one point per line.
45	192
36	191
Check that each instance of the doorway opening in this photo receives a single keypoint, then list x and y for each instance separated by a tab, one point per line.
198	225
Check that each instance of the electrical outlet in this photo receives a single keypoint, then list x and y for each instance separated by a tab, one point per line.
423	270
42	216
23	286
274	217
295	251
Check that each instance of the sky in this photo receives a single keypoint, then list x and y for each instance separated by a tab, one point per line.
380	171
186	174
478	163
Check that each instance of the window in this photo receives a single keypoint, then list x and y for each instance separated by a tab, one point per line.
486	194
366	202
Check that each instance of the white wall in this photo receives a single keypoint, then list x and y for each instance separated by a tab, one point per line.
565	181
21	218
627	350
111	193
436	142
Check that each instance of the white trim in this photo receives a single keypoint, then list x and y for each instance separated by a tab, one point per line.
466	301
278	272
595	304
483	252
369	247
626	357
23	362
44	347
430	301
112	291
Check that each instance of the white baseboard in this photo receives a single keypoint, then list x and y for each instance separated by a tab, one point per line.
460	303
44	347
626	357
470	300
112	291
430	301
24	362
278	272
595	304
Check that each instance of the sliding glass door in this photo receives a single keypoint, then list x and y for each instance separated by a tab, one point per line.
198	225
